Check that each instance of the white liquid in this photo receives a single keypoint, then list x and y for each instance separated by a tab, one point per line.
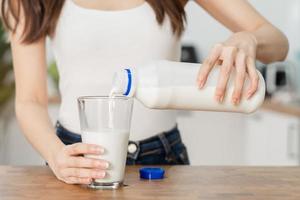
115	144
111	107
191	98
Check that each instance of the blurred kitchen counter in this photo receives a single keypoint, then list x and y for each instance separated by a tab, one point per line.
292	108
181	182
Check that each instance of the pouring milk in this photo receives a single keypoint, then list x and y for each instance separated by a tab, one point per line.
172	85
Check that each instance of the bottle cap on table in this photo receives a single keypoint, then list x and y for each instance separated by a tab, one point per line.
152	173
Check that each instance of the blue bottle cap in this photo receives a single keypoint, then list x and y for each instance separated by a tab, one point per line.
129	84
152	173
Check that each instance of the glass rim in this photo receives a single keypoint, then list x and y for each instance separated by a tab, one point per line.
103	97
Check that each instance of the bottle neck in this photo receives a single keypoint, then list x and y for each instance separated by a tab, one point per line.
129	82
123	83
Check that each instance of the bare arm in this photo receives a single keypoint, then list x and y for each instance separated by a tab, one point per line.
31	97
32	114
253	38
31	102
238	16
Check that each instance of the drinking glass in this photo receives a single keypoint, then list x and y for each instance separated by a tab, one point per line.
105	121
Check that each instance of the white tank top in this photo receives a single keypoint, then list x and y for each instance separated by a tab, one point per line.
90	45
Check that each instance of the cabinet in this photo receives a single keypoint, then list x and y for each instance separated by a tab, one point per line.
262	138
214	138
15	149
271	139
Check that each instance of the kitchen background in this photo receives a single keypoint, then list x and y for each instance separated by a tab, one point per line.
267	137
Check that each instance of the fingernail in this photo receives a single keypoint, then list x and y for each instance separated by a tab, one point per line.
235	101
99	150
99	164
217	98
106	165
100	174
221	99
248	95
201	84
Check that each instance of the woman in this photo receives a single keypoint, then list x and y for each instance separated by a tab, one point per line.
92	39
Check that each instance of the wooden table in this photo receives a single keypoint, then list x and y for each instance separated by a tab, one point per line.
181	182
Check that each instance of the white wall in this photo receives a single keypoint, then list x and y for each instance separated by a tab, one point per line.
15	149
202	30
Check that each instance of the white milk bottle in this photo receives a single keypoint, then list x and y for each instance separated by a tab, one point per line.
173	85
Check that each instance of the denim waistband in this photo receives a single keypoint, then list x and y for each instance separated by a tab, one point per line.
163	141
66	136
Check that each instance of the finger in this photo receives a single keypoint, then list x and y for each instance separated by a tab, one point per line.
240	65
76	180
208	64
82	162
81	148
228	59
82	173
254	79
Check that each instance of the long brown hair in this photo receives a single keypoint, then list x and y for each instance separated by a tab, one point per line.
41	15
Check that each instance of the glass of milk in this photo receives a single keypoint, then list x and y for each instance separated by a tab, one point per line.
105	121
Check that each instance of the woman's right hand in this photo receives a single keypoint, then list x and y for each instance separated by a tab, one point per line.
71	167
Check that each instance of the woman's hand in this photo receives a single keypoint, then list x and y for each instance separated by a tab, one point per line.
237	53
71	167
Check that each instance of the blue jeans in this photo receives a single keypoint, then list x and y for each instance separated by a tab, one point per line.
162	149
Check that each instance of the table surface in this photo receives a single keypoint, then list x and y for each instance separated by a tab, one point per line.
181	182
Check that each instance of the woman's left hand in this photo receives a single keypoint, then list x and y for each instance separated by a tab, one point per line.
237	53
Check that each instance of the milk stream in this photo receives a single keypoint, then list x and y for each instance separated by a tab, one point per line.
111	107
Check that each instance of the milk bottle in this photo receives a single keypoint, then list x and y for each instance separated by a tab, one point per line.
105	121
173	85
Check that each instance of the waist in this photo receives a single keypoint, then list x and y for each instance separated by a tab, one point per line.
163	141
69	137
